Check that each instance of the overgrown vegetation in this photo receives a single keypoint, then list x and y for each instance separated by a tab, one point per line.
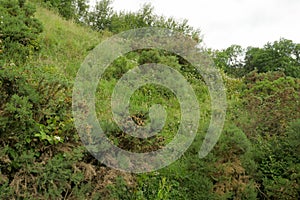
18	32
282	56
41	156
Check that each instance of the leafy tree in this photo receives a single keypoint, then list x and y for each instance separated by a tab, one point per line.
282	55
70	9
19	31
101	17
81	10
231	60
180	26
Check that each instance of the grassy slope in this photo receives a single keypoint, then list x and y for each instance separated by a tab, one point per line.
64	47
64	43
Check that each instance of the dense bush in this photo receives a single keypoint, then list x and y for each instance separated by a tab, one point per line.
19	31
272	101
278	163
34	104
39	158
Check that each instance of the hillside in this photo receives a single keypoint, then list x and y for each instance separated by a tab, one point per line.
43	157
65	44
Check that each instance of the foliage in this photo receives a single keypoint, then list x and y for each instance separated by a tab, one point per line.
231	60
38	101
278	165
256	157
268	115
34	174
232	165
118	68
272	101
19	31
103	17
282	56
69	9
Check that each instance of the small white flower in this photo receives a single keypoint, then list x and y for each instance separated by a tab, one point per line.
57	138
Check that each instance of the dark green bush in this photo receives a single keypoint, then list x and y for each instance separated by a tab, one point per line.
19	31
118	68
151	56
272	101
278	163
34	101
34	174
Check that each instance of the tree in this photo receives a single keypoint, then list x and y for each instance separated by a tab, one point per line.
81	10
101	17
70	9
231	60
282	55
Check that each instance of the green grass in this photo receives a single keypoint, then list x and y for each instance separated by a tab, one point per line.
65	44
237	168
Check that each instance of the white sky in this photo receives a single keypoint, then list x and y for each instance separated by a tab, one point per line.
227	22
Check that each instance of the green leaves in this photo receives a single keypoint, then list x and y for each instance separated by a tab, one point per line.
103	17
34	104
282	55
19	31
272	100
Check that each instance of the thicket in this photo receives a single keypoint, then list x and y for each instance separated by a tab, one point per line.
19	32
271	111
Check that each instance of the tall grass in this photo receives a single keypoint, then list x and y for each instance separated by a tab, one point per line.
64	43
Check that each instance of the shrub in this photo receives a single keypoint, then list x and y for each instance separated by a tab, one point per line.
272	101
34	101
233	165
278	161
19	31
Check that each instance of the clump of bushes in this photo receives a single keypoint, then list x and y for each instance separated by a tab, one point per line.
272	101
34	101
19	31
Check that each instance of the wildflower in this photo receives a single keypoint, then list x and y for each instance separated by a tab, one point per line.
57	138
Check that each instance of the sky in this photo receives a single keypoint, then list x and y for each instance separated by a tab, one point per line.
226	22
